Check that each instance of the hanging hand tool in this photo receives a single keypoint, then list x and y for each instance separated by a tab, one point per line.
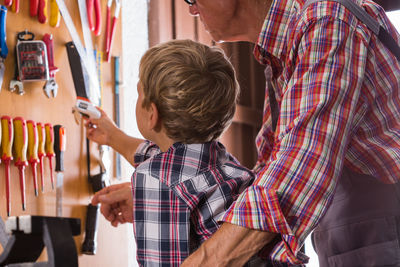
7	138
20	146
41	151
33	7
51	86
60	141
90	4
33	158
31	58
83	104
98	182
49	147
54	14
15	83
116	105
15	6
42	11
3	43
8	2
110	28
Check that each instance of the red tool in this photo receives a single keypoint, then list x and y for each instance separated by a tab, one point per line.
7	139
41	151
90	4
20	146
49	147
33	158
110	28
8	2
33	7
42	11
51	87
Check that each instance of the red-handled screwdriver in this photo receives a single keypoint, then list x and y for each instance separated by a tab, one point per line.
7	138
49	147
33	158
20	147
41	151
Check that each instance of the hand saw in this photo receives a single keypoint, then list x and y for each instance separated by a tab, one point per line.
83	104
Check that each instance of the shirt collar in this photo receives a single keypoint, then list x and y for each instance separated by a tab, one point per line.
271	41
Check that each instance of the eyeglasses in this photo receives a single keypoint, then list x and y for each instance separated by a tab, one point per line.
190	2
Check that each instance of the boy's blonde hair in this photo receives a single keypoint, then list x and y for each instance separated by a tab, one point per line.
193	86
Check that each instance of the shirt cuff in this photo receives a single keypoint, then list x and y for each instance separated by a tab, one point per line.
259	208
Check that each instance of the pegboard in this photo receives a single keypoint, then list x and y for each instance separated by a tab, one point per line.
35	105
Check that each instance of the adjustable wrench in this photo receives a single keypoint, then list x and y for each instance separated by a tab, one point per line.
51	86
16	83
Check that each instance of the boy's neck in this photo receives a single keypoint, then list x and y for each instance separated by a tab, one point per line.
162	140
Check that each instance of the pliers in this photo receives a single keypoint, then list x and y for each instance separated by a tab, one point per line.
110	29
90	4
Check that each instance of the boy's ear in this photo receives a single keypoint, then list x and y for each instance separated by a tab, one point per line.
154	116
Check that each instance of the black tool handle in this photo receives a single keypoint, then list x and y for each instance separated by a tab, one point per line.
60	140
90	243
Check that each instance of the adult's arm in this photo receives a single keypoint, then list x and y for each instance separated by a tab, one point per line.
231	245
104	132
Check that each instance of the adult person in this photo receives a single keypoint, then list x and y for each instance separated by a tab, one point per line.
332	160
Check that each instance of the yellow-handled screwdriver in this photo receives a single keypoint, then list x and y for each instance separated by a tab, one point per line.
41	151
54	14
7	138
49	147
20	146
33	158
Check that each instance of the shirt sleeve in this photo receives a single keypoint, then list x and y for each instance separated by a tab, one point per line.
161	223
145	151
319	104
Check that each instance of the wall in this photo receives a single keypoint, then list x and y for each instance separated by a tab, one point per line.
34	105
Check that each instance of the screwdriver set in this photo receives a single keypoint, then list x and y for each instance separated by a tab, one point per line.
31	58
27	142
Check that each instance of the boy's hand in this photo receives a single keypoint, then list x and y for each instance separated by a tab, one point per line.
116	203
100	130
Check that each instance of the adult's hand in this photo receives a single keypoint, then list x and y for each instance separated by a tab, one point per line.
116	203
231	246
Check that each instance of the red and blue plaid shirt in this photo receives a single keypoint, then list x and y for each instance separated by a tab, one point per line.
178	197
338	92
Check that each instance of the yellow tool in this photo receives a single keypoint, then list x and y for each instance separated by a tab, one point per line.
54	14
15	6
7	138
49	147
20	146
41	151
33	158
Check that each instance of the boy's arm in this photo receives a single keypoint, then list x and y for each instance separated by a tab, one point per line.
104	132
161	223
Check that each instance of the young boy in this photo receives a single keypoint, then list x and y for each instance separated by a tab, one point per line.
184	178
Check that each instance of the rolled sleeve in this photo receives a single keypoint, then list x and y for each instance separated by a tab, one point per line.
259	208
